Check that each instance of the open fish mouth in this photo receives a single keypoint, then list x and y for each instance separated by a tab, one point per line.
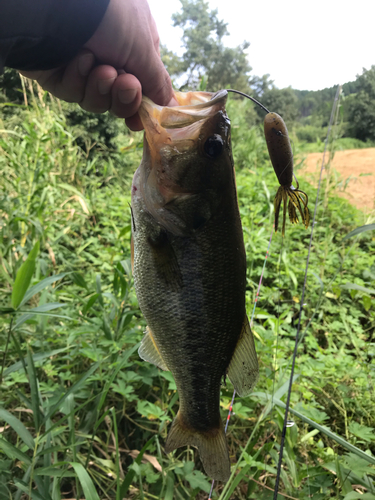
182	144
181	125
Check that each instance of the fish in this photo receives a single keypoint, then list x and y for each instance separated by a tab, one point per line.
189	267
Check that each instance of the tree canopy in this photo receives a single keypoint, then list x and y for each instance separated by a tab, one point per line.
205	52
361	107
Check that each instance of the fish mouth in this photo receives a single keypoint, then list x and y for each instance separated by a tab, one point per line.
177	160
181	125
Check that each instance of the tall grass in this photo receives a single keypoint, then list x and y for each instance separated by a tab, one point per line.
82	416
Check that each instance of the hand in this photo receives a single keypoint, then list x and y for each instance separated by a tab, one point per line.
126	44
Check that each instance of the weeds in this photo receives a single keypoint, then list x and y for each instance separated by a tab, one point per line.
82	416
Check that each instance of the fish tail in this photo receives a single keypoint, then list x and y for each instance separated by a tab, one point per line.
212	447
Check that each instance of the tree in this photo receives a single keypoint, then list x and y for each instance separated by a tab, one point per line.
260	84
205	53
361	107
283	102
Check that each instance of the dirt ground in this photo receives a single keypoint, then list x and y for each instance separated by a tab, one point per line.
356	169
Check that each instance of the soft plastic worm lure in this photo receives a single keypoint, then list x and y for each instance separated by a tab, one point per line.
281	155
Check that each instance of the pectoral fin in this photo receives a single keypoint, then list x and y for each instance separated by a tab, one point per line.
150	352
243	370
165	260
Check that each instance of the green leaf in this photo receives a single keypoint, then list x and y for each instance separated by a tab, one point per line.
79	280
341	441
23	278
77	386
86	482
34	390
362	431
170	487
197	479
357	465
13	452
41	286
29	315
18	427
359	230
131	473
54	472
354	286
46	307
21	485
354	495
236	482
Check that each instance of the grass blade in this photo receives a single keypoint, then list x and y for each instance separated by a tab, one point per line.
14	453
236	482
41	286
341	441
86	482
131	473
21	485
35	403
73	389
354	286
40	356
23	278
46	307
18	427
359	230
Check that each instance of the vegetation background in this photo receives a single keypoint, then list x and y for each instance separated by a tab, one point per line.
81	416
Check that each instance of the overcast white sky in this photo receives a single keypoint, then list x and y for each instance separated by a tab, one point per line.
309	45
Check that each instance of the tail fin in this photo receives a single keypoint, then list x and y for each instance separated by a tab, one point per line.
212	447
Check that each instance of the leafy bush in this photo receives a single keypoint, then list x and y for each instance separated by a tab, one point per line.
311	133
82	416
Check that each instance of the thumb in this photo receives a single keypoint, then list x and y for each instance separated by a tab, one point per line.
154	78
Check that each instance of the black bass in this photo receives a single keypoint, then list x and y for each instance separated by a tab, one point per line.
190	267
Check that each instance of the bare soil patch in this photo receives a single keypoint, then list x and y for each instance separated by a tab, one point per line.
356	169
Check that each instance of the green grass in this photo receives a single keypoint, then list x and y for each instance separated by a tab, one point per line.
77	403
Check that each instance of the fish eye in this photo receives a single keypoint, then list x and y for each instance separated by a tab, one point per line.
213	146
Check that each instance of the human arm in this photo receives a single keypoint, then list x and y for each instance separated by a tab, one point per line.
124	45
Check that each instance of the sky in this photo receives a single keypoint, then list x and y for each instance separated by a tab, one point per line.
309	45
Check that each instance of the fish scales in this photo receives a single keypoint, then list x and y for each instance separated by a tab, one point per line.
190	269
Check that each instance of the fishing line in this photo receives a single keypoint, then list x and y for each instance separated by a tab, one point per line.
249	97
283	434
251	324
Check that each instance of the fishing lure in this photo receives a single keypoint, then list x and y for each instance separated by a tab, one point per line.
281	156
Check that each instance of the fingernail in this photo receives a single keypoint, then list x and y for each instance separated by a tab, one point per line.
85	64
105	86
127	96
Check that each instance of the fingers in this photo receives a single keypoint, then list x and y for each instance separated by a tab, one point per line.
134	123
97	96
68	82
126	95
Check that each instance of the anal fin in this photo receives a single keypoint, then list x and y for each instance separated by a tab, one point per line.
243	370
150	352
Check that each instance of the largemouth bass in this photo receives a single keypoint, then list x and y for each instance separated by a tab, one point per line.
190	267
